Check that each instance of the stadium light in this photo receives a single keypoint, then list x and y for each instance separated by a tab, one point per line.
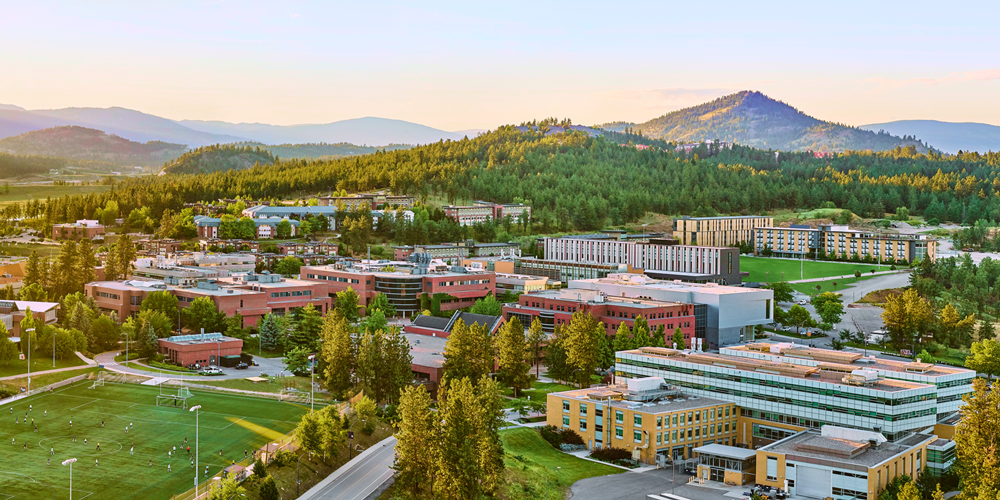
312	384
54	348
195	409
69	462
28	331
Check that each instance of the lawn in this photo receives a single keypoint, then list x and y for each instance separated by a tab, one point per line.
12	249
769	270
275	385
39	362
809	288
539	390
21	193
229	423
15	384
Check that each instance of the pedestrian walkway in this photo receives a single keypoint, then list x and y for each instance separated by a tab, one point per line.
849	276
85	359
584	455
45	372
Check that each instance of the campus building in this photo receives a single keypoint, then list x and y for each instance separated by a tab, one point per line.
556	307
459	250
202	348
841	242
783	389
251	295
521	283
436	326
731	312
718	231
192	266
160	246
481	211
647	415
80	229
835	462
267	227
410	286
564	270
12	312
428	360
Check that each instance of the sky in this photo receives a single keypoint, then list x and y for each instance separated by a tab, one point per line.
477	65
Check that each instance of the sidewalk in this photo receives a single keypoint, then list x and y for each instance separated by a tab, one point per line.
848	276
45	372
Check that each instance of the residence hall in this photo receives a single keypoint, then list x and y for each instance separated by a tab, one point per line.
839	241
80	229
732	312
783	389
556	308
646	414
202	348
718	231
251	295
409	286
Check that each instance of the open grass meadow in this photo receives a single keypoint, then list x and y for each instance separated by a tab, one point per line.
25	192
770	270
129	464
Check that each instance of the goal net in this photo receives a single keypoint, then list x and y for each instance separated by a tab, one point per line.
178	400
108	377
294	396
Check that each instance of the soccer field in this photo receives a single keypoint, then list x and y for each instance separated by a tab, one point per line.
231	423
773	270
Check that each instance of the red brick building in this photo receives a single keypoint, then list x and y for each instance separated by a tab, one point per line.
80	229
436	326
556	307
202	348
409	289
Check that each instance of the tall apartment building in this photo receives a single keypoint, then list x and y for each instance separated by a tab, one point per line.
731	312
481	211
783	389
564	270
842	242
719	231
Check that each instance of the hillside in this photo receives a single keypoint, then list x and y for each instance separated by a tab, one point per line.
946	136
370	130
321	151
89	144
135	125
209	159
753	119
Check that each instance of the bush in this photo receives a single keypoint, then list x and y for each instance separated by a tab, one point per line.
611	454
269	490
569	436
368	428
258	468
933	221
283	458
550	433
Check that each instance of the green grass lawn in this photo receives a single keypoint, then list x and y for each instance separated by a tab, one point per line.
828	285
43	380
770	270
22	193
275	385
39	362
231	423
529	459
539	390
11	249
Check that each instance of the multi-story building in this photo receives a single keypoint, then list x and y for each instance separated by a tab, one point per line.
521	283
783	389
80	229
160	246
731	312
436	326
232	245
844	243
644	414
458	250
306	248
410	287
189	267
556	308
468	215
719	231
834	462
252	295
564	270
12	312
373	200
267	227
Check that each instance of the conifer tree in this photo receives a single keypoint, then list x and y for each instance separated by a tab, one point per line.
678	340
269	335
622	338
582	340
337	352
536	335
513	353
468	352
417	441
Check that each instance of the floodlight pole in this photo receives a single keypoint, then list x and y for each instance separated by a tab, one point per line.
54	348
69	462
195	410
312	384
29	332
350	433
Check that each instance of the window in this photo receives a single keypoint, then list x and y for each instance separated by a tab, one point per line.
675	419
674	439
619	417
619	432
583	425
565	421
772	468
583	410
637	436
637	420
659	421
565	406
659	439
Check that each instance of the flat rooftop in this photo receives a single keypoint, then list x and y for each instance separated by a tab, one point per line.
153	286
822	373
596	297
830	359
642	281
811	444
384	274
426	350
682	402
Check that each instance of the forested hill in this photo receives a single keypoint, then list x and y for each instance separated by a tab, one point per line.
574	181
219	158
753	119
89	144
321	150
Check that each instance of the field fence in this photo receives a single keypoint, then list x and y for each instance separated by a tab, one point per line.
47	388
245	467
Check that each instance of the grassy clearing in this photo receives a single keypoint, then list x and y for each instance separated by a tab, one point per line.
274	385
13	249
539	390
880	296
229	423
44	380
21	193
530	461
39	362
769	270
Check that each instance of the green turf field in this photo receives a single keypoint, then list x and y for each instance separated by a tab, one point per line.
231	423
770	270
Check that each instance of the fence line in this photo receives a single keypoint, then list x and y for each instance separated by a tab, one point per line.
52	386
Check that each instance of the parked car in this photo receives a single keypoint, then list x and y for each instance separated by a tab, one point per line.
242	366
194	366
968	249
211	370
802	302
691	472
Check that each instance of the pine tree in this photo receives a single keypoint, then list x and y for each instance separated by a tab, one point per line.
582	340
35	270
513	353
8	349
659	338
397	371
555	356
111	270
489	418
86	263
536	335
268	334
307	324
337	352
678	339
417	441
622	341
125	256
641	337
468	352
607	353
458	472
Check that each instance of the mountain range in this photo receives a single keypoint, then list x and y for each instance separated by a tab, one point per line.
946	136
754	119
369	131
82	143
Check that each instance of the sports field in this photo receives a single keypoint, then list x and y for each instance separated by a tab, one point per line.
769	270
231	423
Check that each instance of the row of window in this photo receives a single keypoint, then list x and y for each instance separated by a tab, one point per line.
668	437
324	277
661	421
296	293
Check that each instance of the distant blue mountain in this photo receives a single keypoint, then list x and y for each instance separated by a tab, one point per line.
369	131
946	136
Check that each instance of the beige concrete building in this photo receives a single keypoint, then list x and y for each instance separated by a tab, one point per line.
718	231
839	241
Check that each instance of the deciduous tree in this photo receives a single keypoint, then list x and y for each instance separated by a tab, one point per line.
582	342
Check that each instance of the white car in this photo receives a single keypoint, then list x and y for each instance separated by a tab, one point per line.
802	302
211	370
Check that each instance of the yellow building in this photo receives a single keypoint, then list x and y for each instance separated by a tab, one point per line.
645	414
718	231
841	242
840	463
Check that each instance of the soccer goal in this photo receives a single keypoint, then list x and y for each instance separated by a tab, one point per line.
293	395
176	400
108	377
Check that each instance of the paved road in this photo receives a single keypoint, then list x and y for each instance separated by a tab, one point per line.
635	486
269	366
358	478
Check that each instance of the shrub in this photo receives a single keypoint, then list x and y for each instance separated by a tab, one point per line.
611	454
569	436
269	490
551	434
283	458
933	221
368	428
258	468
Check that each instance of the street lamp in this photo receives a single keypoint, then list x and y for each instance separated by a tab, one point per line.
350	435
54	348
195	410
297	480
312	384
574	373
547	475
69	462
29	332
